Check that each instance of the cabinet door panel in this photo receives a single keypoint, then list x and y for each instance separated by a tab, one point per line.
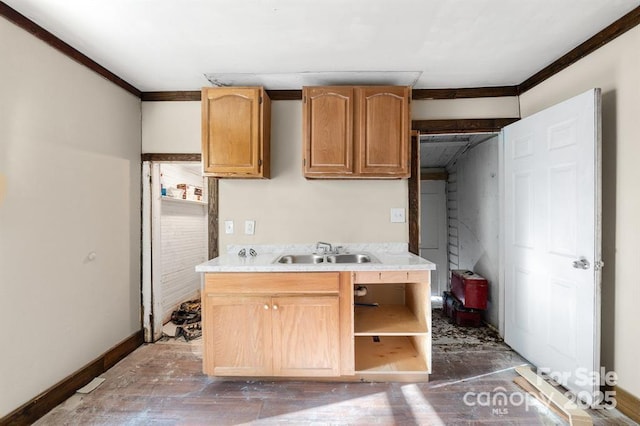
382	132
237	336
328	130
306	336
231	131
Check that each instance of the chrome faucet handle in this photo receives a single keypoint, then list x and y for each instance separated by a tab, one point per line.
325	246
338	249
252	252
242	253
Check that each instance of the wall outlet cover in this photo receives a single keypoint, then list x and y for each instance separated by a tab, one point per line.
249	227
398	215
228	227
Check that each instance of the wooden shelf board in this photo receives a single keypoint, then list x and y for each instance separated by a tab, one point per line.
386	320
392	354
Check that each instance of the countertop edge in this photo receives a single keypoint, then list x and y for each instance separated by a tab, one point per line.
264	263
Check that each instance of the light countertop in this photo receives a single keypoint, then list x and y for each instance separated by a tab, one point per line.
391	256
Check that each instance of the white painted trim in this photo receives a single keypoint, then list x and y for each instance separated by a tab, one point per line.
146	252
501	233
156	240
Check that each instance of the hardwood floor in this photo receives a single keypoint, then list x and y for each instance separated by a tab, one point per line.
163	384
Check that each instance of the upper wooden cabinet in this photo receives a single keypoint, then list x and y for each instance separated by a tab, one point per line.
328	131
383	130
236	128
356	131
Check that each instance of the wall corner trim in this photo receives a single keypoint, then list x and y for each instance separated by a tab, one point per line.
40	405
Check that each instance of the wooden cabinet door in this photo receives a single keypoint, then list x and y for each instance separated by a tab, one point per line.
328	131
237	335
235	132
306	336
383	130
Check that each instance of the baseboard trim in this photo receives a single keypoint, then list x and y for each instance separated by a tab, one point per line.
628	404
32	410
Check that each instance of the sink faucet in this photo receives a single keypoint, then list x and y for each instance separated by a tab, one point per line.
324	246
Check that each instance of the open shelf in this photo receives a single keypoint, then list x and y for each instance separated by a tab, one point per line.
391	354
387	320
182	200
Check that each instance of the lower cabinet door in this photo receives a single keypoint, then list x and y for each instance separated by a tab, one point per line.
306	336
237	336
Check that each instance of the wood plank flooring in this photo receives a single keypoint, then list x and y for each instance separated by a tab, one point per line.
163	384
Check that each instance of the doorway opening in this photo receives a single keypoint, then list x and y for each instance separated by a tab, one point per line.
459	210
175	239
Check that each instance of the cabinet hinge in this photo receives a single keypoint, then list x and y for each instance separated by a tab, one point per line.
304	162
259	162
304	99
260	100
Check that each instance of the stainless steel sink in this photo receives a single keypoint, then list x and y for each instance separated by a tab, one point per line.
351	258
300	258
329	258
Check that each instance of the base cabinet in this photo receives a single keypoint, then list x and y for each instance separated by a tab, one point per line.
393	338
272	333
306	325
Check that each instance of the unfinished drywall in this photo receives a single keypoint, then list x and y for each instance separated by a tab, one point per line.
615	68
69	216
473	194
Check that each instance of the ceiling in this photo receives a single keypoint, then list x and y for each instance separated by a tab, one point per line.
169	45
442	151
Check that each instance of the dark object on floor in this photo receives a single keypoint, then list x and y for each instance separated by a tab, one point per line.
458	314
469	288
188	319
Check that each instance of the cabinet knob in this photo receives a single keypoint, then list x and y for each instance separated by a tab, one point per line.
266	307
275	307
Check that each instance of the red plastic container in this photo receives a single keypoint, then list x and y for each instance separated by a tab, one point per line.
471	289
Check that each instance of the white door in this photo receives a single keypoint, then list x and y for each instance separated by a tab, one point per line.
552	241
433	231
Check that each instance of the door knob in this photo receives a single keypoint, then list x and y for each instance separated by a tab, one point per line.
581	263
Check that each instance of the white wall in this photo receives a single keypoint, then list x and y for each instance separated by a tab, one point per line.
291	209
70	173
615	68
288	208
171	127
475	201
450	109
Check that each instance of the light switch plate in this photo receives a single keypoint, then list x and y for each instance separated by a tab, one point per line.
249	227
398	215
228	227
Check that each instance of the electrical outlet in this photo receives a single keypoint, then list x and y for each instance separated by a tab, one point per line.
397	215
228	227
249	227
